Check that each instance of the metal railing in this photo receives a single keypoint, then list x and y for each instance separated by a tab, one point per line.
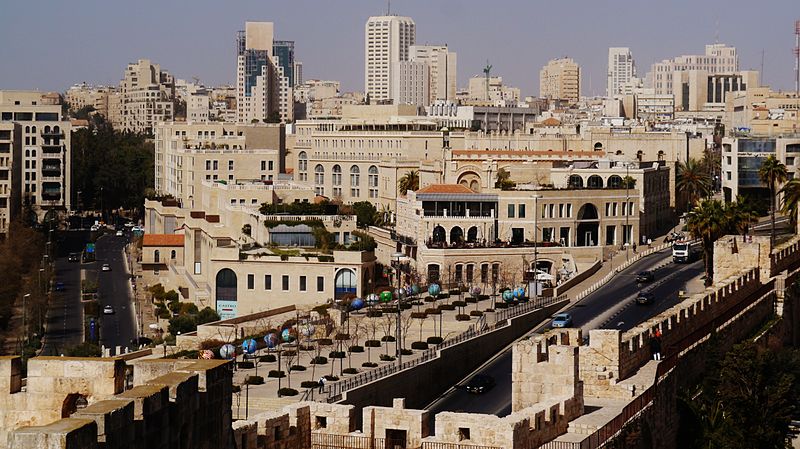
438	445
334	441
335	390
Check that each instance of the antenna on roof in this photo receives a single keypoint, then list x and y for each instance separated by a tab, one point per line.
716	32
388	7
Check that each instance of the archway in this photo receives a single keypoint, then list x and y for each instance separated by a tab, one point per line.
598	146
433	272
72	403
439	235
226	290
595	182
588	226
471	180
456	235
575	182
472	234
344	284
614	182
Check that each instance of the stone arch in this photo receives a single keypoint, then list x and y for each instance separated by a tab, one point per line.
594	182
472	234
72	403
614	182
226	293
598	146
588	229
456	235
439	235
470	179
575	182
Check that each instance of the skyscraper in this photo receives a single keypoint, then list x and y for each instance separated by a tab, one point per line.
386	41
718	58
560	79
441	70
621	68
284	50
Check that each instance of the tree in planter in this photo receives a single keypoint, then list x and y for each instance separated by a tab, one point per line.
354	334
289	356
405	324
371	327
387	325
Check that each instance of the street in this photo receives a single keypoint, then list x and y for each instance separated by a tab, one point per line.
114	288
610	307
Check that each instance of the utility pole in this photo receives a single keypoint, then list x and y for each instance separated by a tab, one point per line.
397	256
627	237
535	248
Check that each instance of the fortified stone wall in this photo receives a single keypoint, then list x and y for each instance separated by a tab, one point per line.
736	253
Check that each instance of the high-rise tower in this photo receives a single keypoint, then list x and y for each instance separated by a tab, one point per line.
386	41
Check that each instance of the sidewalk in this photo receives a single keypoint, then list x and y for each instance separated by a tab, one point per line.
145	311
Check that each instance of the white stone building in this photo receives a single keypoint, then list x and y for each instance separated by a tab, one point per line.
386	41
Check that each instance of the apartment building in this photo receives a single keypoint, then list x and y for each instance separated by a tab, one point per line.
621	70
762	112
442	71
718	58
256	83
84	95
742	158
187	154
410	83
147	96
490	92
10	159
560	79
43	169
387	40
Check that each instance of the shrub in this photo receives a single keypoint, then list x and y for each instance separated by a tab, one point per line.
276	373
211	344
372	343
356	348
182	324
430	299
406	351
207	315
462	317
309	384
419	345
269	358
387	358
336	355
471	300
319	360
297	368
476	313
447	307
459	303
254	380
325	342
369	364
245	365
419	315
434	340
287	392
84	350
350	371
331	378
388	338
374	313
433	311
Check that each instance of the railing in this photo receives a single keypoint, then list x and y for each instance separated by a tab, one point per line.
335	390
333	441
437	445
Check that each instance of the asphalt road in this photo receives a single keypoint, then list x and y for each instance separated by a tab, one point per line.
612	306
113	288
65	314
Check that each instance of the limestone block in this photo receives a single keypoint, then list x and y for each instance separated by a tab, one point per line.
114	419
68	433
10	374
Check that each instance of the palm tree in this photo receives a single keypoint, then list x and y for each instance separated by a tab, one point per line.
739	215
791	197
409	181
707	221
771	173
693	181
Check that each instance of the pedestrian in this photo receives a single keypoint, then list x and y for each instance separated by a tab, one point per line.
655	347
649	242
321	383
634	247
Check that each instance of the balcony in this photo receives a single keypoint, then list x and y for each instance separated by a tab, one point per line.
51	148
51	133
51	195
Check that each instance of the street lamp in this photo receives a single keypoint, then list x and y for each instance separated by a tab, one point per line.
25	318
535	247
397	257
628	233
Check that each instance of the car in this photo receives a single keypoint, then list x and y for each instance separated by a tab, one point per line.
480	384
108	310
106	267
95	228
59	287
119	233
645	298
645	276
561	320
129	224
74	257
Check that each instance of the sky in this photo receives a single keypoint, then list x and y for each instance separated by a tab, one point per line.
52	44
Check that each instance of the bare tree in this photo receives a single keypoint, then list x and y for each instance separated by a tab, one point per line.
405	324
354	334
371	326
290	357
387	324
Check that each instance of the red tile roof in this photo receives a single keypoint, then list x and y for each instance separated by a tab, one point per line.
162	240
445	188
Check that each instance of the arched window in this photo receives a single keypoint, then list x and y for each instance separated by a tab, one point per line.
433	272
173	254
660	155
157	256
598	146
439	234
319	180
226	291
345	283
302	165
575	182
456	235
639	155
337	175
373	181
355	181
614	182
472	234
594	182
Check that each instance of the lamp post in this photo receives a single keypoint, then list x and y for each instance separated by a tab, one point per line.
627	231
25	319
397	257
535	247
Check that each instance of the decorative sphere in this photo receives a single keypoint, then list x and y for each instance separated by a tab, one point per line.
519	292
508	296
271	340
357	304
399	293
207	354
288	335
386	296
434	289
308	330
227	351
249	346
475	290
372	299
415	289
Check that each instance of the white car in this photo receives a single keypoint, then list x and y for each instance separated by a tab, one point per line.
108	310
106	267
119	233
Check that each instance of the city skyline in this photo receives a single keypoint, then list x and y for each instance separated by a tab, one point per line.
98	47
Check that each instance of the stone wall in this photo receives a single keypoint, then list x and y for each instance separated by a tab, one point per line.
415	423
544	368
735	253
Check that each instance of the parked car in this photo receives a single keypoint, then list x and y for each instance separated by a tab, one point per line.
106	267
645	298
108	310
74	257
645	276
119	233
480	384
59	287
562	320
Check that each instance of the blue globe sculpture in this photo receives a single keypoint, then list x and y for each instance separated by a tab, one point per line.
415	289
508	296
271	340
227	351
287	335
357	304
249	346
434	289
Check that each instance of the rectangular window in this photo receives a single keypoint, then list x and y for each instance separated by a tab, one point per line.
216	165
267	282
569	210
470	269
495	272
251	281
560	211
547	234
271	165
302	283
521	210
485	273
611	235
510	211
230	165
263	165
320	283
285	283
208	164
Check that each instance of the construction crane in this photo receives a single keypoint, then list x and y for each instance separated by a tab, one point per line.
487	71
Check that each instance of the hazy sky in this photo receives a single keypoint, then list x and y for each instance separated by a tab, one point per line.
50	45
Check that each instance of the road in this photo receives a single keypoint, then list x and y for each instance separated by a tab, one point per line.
65	313
114	288
611	306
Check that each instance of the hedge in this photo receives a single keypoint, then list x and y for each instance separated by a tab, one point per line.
287	392
276	373
419	345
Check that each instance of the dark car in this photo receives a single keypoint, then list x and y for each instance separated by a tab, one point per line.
480	384
645	276
60	287
645	298
74	257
